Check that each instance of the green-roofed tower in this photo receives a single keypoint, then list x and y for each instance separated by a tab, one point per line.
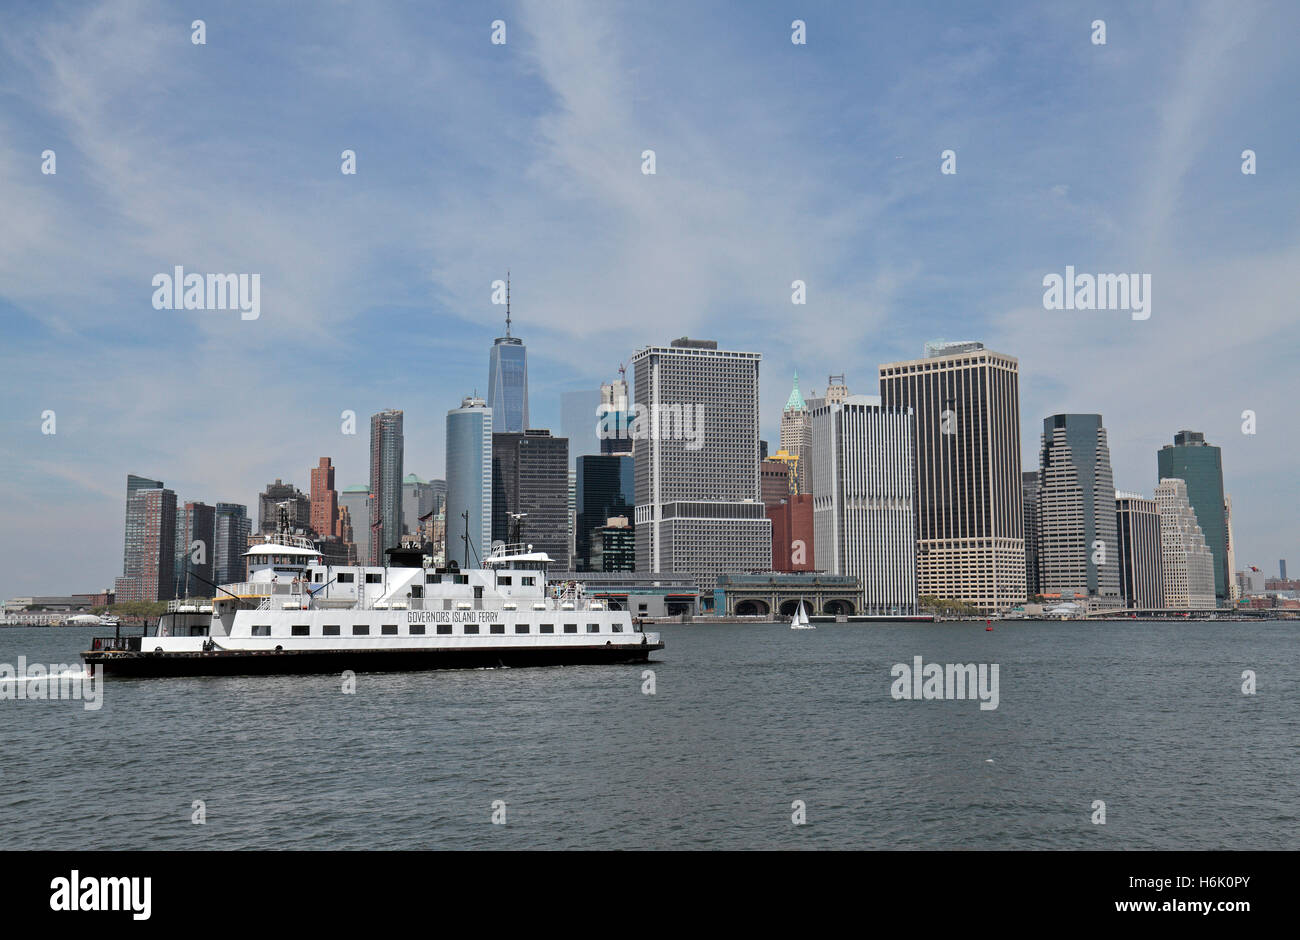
796	434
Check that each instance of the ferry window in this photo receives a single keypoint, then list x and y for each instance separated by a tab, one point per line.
478	591
330	629
374	577
570	628
344	577
593	628
389	629
521	628
433	579
527	582
641	607
498	628
504	579
320	576
460	579
417	629
546	628
417	590
444	629
360	629
617	627
301	629
262	629
471	628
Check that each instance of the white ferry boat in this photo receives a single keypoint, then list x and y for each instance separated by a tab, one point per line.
296	614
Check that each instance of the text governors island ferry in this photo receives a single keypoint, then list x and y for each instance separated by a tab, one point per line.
297	614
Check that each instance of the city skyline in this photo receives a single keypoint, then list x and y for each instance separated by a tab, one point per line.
892	252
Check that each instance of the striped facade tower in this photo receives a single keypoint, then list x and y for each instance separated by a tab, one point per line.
970	525
1137	523
864	520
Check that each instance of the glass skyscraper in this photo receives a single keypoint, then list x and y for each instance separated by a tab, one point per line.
1200	465
469	482
508	380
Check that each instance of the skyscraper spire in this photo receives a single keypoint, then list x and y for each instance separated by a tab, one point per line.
507	302
795	402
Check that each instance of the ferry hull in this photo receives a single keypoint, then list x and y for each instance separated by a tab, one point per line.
290	662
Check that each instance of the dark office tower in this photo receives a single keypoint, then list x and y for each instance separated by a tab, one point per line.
605	490
324	500
773	481
283	496
1141	580
530	475
508	379
149	569
195	545
385	484
1200	465
1029	495
231	529
970	524
1076	511
1281	569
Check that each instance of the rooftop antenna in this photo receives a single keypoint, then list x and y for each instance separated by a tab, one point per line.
507	303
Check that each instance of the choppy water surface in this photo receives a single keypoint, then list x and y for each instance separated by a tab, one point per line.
746	719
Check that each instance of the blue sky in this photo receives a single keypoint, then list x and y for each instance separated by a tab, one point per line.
774	162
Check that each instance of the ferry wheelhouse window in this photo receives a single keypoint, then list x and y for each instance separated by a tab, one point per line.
360	629
546	628
330	629
261	629
444	629
388	629
301	629
498	628
417	629
570	628
374	577
521	628
527	582
345	577
471	628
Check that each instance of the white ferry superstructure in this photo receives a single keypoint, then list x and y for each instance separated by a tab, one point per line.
297	614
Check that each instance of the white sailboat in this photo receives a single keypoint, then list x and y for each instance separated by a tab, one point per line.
800	619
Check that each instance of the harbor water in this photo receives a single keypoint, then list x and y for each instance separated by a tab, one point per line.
750	728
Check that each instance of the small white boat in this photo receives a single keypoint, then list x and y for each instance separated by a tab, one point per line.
800	619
